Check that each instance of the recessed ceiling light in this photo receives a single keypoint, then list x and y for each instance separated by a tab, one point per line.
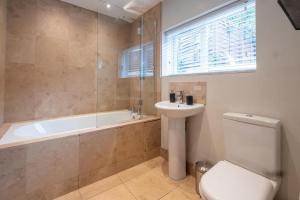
108	5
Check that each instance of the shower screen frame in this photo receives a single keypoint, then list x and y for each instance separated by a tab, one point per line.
141	94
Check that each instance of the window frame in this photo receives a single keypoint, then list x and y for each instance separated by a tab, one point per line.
192	21
140	49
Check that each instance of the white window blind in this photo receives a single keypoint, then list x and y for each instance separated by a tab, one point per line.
223	40
131	64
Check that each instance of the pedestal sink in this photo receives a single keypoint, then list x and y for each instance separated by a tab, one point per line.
176	114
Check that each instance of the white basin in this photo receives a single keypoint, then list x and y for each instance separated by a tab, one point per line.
176	110
176	114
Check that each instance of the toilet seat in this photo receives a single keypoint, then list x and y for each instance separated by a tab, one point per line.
226	181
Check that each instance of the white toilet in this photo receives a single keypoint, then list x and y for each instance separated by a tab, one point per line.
251	170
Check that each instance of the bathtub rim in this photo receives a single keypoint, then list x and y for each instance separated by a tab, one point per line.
5	127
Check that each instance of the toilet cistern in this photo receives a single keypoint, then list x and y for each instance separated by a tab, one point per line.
252	162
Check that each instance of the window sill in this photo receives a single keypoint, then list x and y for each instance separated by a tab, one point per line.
213	73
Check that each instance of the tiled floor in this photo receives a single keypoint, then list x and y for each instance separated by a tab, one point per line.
147	181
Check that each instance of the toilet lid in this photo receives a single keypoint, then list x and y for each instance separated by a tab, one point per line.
226	181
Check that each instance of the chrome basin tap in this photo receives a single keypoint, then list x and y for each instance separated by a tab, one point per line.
180	96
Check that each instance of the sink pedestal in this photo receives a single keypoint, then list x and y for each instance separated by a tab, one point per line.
177	155
177	113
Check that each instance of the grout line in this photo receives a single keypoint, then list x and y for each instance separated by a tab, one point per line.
168	193
175	188
130	191
97	193
124	183
184	193
104	191
81	197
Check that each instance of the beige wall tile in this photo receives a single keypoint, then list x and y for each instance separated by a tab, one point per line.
130	143
51	96
48	169
60	188
152	131
51	51
152	135
107	152
52	19
13	184
12	159
60	41
83	100
97	155
12	172
125	164
52	166
97	150
82	27
3	9
82	56
152	154
36	195
196	89
20	49
19	99
21	17
54	34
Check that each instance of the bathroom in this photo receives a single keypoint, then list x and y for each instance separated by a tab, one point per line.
80	87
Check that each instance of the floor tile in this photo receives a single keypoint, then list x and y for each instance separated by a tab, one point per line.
188	186
150	186
133	172
162	168
71	196
175	195
100	187
146	181
156	162
117	193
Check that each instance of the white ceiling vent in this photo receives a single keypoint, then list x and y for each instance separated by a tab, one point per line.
138	7
127	10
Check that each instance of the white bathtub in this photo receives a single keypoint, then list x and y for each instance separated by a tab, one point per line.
20	133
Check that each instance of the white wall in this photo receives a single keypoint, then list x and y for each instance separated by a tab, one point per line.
273	90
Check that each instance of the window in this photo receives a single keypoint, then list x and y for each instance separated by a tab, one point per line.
130	61
223	40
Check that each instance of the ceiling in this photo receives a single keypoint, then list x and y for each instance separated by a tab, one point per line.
127	10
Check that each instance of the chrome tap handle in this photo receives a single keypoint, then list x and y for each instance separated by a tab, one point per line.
180	96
